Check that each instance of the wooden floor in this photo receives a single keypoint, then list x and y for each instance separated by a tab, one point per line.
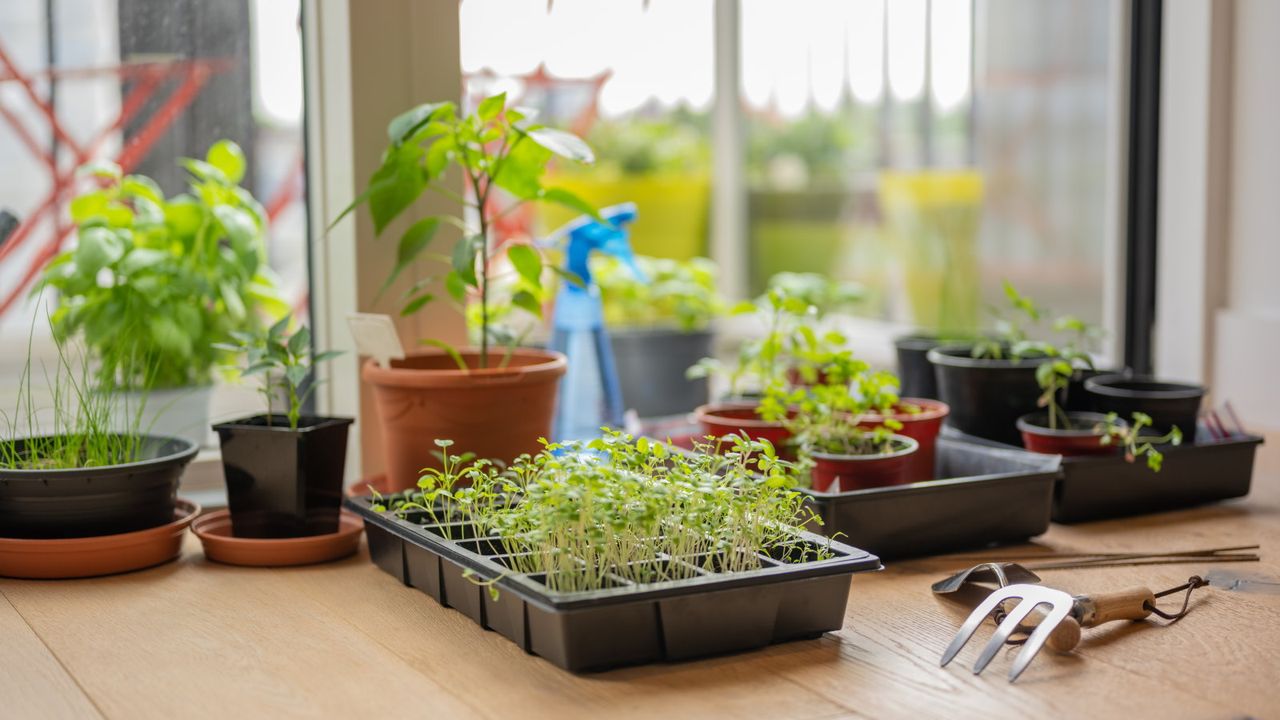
194	639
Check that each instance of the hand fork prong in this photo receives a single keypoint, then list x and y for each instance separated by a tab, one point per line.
1038	637
1006	629
976	617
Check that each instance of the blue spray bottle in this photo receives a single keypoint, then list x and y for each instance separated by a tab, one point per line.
590	396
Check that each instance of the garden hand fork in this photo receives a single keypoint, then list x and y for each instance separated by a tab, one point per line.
1085	610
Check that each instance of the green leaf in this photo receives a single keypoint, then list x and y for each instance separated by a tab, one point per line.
185	215
277	331
407	122
412	243
295	374
564	198
438	156
229	158
98	248
566	145
450	350
205	171
464	259
326	355
395	185
456	286
141	259
148	214
141	186
239	226
568	276
231	298
521	168
491	106
300	342
88	205
528	262
525	300
416	304
168	336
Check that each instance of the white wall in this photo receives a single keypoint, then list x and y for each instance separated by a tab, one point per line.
1247	332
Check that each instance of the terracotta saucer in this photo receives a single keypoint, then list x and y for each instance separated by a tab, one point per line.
94	556
214	531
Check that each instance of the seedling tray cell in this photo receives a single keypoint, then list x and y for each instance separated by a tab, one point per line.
705	613
987	496
1098	488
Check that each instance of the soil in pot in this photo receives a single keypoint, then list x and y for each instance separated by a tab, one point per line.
1170	404
842	473
1083	437
496	412
88	502
986	396
284	483
729	418
651	365
923	426
914	369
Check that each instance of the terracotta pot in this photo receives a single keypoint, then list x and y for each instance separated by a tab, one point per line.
923	427
494	412
102	555
729	418
842	473
1082	439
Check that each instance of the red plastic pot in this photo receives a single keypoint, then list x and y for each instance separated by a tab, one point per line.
923	427
1082	439
721	419
842	473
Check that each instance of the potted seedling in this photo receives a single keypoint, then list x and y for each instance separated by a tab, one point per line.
830	427
283	469
68	469
990	383
169	277
659	325
494	400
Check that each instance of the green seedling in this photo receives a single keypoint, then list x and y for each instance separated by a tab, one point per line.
284	361
1135	444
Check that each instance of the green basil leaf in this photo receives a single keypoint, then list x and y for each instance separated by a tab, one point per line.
528	262
229	158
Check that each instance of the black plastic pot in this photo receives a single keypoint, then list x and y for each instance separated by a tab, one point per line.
990	496
1077	399
1169	404
705	614
87	502
914	369
651	366
281	482
986	396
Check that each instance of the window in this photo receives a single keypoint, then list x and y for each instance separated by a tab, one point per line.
143	83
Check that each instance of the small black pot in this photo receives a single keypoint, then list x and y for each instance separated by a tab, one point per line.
280	482
1169	404
1076	398
914	369
651	365
88	502
986	396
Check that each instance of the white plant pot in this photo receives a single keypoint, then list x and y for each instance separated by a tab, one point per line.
179	412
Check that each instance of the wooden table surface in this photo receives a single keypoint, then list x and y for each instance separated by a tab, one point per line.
196	639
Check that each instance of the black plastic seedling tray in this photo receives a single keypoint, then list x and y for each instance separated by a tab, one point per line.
1097	488
987	496
706	614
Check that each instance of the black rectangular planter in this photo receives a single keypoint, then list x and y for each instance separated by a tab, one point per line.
706	614
988	496
1097	488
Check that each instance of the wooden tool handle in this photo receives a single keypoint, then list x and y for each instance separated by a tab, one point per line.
1134	603
1064	637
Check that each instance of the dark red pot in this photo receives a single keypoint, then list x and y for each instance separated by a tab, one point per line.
1081	439
923	427
842	473
721	419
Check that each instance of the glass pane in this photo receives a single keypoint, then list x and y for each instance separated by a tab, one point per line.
143	83
931	149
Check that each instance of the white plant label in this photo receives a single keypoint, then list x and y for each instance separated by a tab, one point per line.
375	336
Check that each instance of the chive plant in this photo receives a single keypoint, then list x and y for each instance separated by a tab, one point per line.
588	515
73	423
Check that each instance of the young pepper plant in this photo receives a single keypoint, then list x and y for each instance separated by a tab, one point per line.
284	361
497	147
